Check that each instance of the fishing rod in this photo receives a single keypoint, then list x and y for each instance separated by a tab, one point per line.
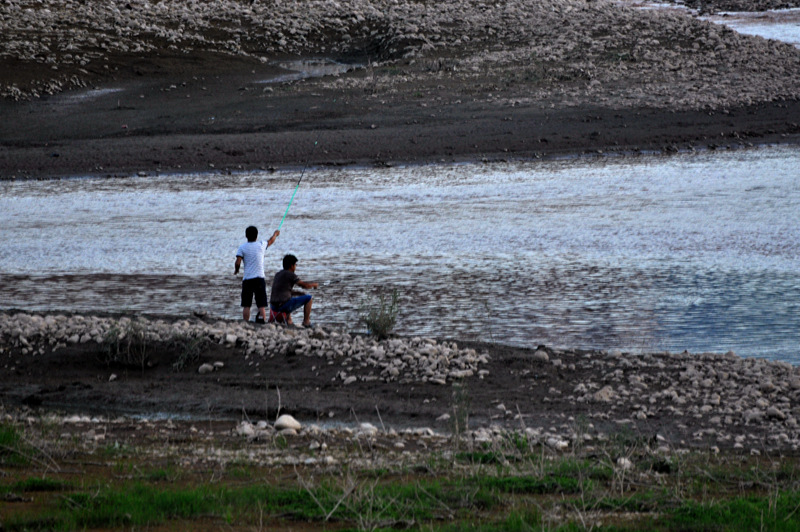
301	179
298	185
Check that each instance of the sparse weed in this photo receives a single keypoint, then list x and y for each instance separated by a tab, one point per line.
380	315
13	450
460	405
189	349
127	345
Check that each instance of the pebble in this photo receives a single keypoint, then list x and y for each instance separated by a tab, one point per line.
624	464
540	356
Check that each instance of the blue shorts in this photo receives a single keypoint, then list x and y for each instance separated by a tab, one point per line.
254	287
292	305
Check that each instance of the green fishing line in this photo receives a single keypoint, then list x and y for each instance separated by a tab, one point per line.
295	191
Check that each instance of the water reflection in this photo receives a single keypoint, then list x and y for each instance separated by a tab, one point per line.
694	252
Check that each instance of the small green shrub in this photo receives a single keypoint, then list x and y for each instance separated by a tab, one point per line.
380	316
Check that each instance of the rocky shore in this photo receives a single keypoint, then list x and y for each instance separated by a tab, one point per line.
123	87
572	49
329	380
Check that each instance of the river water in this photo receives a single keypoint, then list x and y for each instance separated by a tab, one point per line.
697	252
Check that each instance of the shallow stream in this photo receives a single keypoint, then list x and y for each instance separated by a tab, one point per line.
694	251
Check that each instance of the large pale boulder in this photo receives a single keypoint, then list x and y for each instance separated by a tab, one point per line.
287	422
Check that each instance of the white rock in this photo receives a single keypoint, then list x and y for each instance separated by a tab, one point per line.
540	356
205	368
368	428
624	463
287	422
754	415
112	377
557	443
604	395
245	429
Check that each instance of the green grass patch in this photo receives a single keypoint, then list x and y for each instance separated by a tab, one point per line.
533	485
480	457
160	475
145	503
516	521
582	468
780	512
33	485
13	450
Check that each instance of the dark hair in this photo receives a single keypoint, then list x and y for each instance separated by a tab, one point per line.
289	261
251	233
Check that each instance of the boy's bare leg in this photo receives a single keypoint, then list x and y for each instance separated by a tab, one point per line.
307	313
246	313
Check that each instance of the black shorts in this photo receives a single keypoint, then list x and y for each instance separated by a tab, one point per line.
254	287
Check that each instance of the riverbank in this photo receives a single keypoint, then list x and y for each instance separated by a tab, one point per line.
323	420
229	371
134	87
370	135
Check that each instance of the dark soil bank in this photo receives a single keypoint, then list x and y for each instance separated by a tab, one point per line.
62	363
233	125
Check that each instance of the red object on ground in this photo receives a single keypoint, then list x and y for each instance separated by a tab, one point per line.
277	317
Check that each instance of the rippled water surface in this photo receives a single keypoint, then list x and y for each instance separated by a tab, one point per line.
696	251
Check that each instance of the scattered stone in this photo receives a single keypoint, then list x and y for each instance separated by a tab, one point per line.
245	428
368	428
287	422
604	395
624	464
540	355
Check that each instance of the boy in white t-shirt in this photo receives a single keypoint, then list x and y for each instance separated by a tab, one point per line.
253	282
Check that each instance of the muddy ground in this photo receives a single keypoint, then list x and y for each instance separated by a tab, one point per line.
226	123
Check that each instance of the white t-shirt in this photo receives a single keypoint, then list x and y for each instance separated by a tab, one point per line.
252	254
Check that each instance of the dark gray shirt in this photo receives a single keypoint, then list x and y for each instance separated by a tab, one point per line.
282	286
